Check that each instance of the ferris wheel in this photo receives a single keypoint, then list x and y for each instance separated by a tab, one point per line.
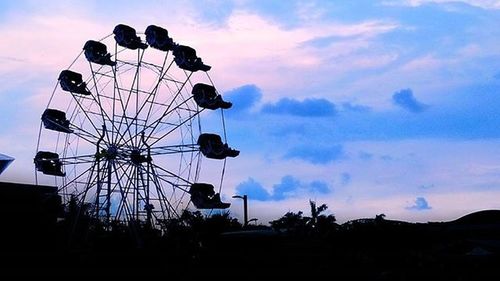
122	132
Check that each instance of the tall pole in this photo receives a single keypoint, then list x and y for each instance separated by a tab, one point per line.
149	207
99	181
108	196
245	210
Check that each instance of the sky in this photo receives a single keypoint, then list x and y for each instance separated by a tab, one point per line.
370	107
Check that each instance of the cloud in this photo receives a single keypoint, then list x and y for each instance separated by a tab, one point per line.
485	4
320	187
347	106
288	187
305	108
365	155
253	190
406	100
345	179
386	158
420	205
426	186
243	98
316	154
254	47
326	41
470	114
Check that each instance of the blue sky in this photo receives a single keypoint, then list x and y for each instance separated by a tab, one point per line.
371	107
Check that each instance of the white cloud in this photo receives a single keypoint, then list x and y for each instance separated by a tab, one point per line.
485	4
247	48
250	48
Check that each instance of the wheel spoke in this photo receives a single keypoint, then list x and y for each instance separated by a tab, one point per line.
153	95
124	190
173	175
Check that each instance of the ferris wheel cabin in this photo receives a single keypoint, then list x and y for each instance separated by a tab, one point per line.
185	58
97	52
73	82
203	196
55	120
48	163
157	38
126	36
207	97
211	146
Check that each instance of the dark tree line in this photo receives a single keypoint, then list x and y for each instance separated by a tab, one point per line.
317	223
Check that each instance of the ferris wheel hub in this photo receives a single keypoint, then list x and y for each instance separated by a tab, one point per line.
112	152
137	158
109	154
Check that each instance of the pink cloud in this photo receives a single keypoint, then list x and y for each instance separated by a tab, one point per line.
485	4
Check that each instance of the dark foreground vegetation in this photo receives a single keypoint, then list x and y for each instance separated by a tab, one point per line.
34	242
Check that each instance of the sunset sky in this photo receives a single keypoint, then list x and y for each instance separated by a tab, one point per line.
370	107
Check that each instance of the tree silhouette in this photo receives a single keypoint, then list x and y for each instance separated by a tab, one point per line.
290	222
221	222
315	212
316	224
198	226
319	223
379	218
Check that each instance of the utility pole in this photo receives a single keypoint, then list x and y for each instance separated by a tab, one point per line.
245	208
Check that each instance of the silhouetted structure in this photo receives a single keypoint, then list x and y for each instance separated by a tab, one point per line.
185	57
203	196
48	163
114	176
211	146
28	215
157	38
97	52
245	208
193	244
207	97
126	36
5	162
55	120
71	81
